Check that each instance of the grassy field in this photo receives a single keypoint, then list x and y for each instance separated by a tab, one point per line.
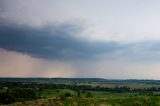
112	85
98	98
79	92
48	93
108	101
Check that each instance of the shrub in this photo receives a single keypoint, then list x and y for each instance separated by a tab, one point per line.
67	94
89	95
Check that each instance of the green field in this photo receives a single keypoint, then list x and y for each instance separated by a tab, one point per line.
94	101
79	92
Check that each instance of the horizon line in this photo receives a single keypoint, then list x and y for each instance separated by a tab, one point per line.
80	78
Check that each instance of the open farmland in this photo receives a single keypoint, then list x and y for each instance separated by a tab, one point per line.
78	92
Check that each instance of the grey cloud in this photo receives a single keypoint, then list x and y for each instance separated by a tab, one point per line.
58	42
51	42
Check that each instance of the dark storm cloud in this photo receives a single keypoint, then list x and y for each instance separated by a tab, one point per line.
51	42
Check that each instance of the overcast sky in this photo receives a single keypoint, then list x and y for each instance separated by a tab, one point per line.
113	39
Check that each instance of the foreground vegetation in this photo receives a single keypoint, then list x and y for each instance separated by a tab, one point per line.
127	101
79	92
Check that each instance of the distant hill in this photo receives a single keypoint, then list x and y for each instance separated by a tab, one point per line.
48	80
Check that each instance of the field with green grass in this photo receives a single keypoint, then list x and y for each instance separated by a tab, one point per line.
94	101
79	92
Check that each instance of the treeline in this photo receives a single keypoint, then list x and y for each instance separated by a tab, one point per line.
99	80
11	95
40	86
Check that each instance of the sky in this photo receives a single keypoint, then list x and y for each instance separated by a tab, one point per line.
112	39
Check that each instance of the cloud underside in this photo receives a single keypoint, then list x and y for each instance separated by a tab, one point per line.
51	42
58	42
56	32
